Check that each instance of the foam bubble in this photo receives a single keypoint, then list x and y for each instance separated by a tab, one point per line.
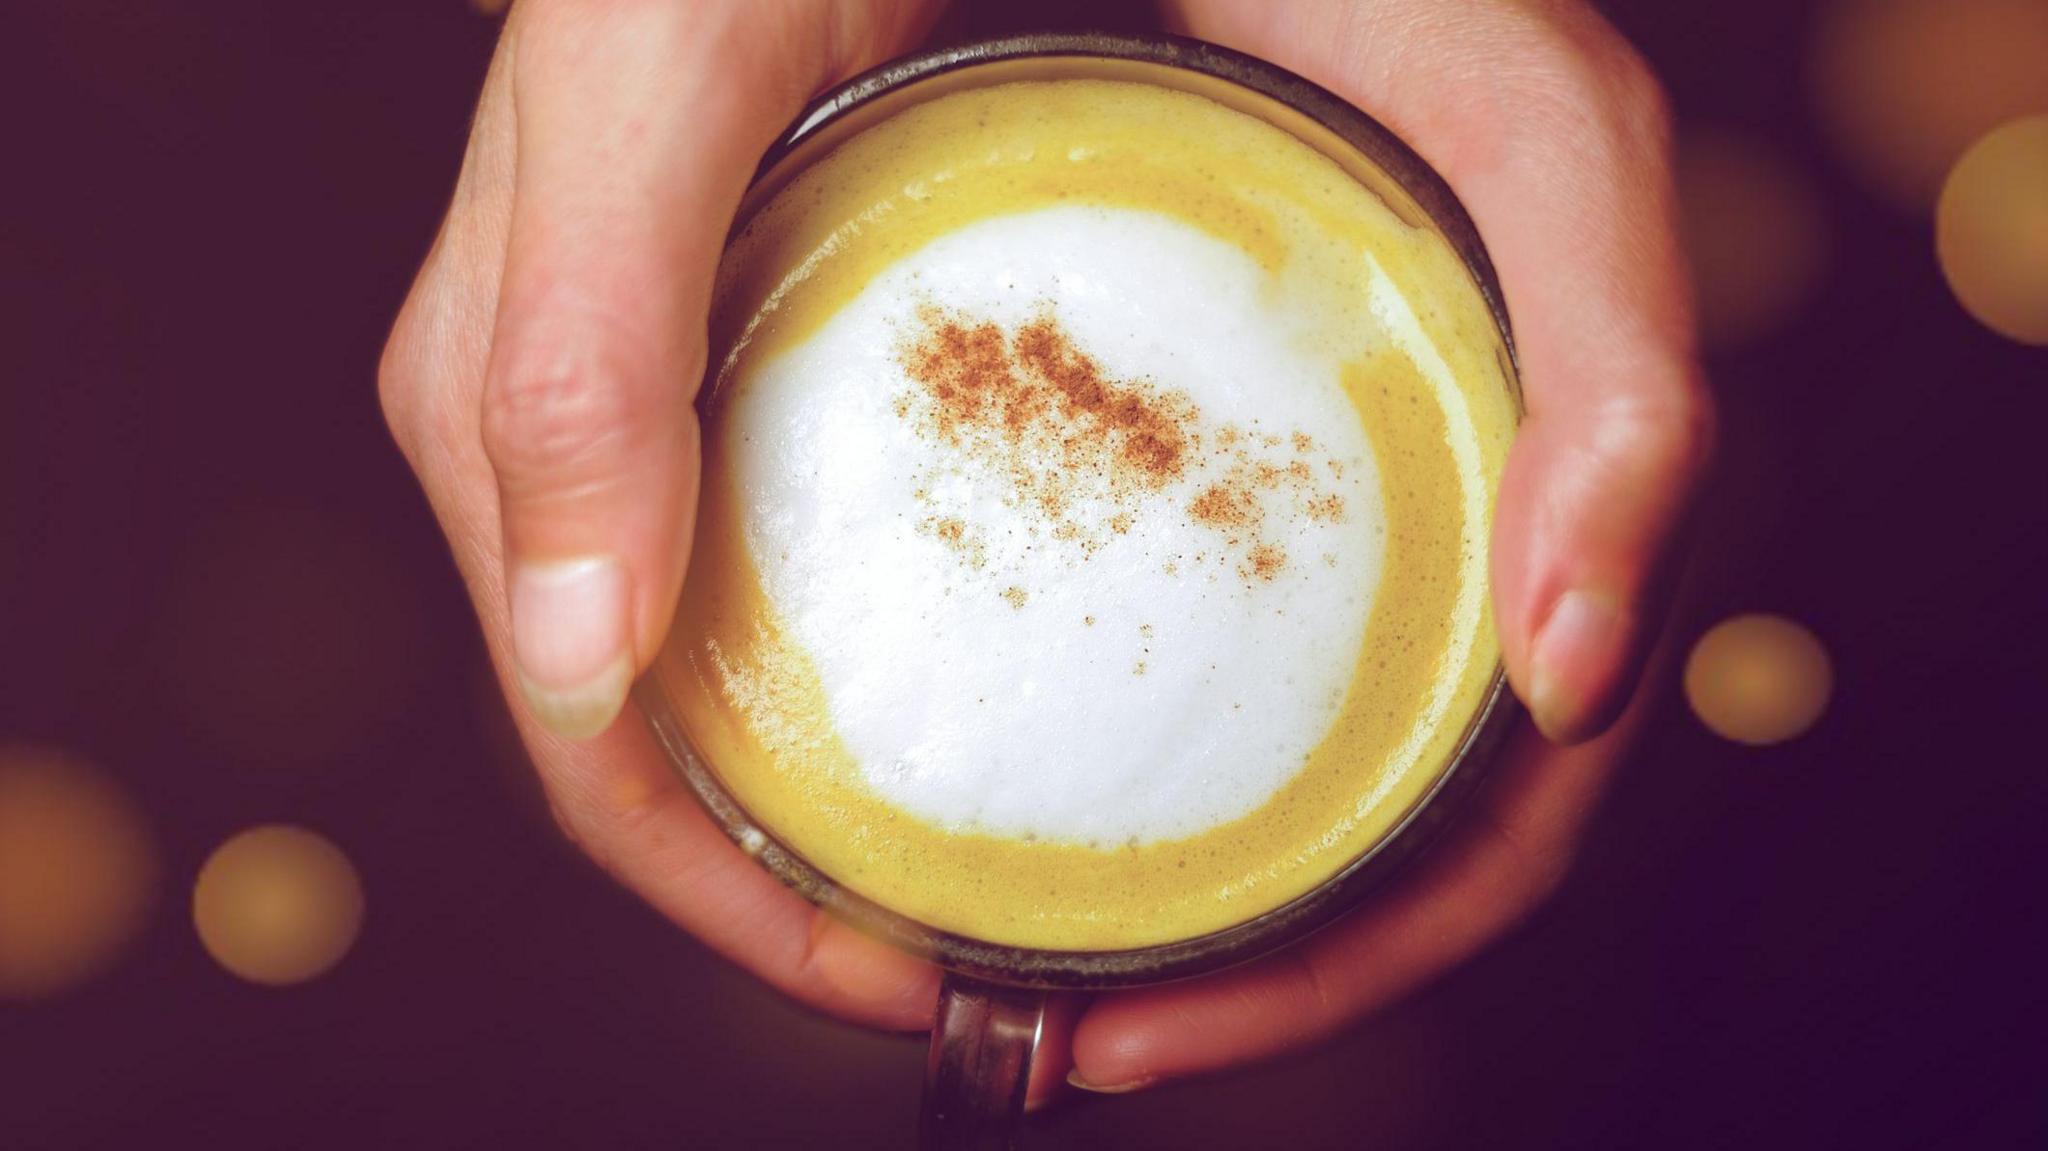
1106	583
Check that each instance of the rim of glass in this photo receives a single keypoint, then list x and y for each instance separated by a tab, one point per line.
809	137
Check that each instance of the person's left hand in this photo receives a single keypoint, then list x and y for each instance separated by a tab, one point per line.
1555	136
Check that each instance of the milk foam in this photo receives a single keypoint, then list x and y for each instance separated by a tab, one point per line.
1124	670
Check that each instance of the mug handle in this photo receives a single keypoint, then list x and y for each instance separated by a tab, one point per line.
980	1064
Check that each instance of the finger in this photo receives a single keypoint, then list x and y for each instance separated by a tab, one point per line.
618	800
638	126
1552	133
635	138
616	795
1502	860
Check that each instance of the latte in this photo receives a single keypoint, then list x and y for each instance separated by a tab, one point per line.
1092	547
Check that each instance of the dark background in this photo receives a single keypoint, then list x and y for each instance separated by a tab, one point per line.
220	583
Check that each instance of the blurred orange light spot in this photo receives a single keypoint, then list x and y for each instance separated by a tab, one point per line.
1758	679
1755	232
77	872
1991	230
278	905
1905	85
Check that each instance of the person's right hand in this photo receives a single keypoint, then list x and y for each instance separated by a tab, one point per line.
540	380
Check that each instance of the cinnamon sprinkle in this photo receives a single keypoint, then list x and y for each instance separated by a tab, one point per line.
1264	562
1227	505
1081	450
954	533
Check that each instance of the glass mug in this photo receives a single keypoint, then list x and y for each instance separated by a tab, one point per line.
992	999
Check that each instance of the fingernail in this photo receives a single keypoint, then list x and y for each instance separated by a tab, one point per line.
572	638
1124	1087
1584	635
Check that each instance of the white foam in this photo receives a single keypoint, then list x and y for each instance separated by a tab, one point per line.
1196	691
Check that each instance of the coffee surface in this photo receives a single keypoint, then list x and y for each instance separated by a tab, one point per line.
1054	573
1092	544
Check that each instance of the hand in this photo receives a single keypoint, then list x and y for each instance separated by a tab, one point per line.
1554	135
540	381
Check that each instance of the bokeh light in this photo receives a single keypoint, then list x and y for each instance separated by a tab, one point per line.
278	905
1755	231
1904	86
1991	230
78	872
1758	679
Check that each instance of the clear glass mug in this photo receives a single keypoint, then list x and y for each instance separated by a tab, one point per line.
992	1000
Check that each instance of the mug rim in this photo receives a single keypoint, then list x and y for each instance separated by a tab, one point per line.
1428	813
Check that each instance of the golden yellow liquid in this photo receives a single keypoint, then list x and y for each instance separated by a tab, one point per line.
1439	415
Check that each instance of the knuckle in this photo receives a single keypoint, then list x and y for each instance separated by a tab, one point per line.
1686	428
432	361
1663	433
399	378
559	415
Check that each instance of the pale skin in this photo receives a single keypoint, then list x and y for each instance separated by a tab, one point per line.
541	376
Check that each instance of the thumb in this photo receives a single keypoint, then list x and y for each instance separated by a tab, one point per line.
633	148
1596	492
1556	137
